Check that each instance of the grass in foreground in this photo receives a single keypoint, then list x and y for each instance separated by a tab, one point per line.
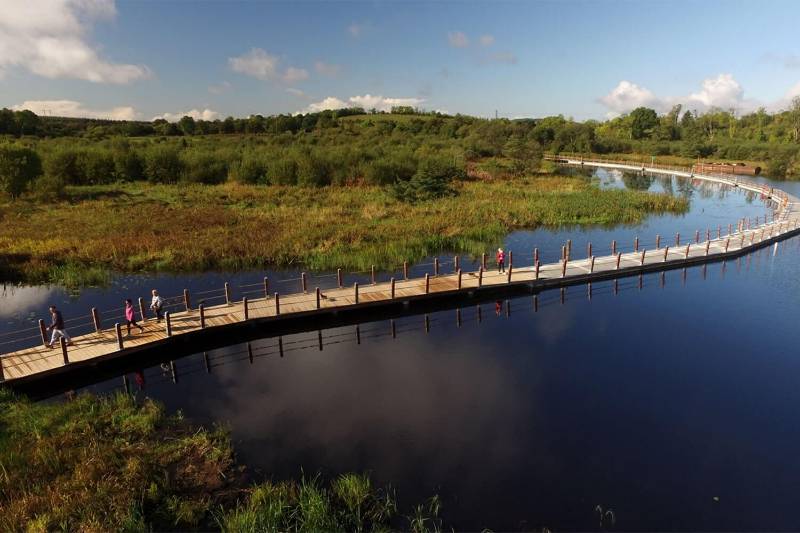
108	464
140	227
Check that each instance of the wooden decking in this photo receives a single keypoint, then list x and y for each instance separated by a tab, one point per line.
39	360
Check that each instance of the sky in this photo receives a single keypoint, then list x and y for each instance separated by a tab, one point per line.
584	59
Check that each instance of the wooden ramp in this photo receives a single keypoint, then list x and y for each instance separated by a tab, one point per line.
182	319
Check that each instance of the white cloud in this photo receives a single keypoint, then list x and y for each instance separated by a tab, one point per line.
49	39
367	101
296	92
221	88
205	114
355	30
457	39
721	91
71	108
327	69
627	96
487	40
259	63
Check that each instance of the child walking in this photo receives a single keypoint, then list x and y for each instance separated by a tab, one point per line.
130	317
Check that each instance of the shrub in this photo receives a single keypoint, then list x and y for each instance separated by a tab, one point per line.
63	165
249	169
283	171
98	167
312	170
432	179
162	164
199	167
19	166
390	169
128	165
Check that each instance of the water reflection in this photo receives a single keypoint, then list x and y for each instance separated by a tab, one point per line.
645	394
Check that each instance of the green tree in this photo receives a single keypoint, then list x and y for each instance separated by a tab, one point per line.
187	125
19	166
643	122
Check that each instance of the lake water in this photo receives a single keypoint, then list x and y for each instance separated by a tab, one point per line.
670	399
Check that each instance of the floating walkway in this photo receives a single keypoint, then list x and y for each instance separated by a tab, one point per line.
269	308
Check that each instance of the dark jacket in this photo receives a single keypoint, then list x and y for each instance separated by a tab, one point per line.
57	320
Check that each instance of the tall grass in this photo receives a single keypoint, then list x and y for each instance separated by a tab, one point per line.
138	227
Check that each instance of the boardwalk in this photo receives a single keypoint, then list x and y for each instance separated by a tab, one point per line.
671	252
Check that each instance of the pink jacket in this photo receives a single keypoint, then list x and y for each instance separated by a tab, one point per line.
129	312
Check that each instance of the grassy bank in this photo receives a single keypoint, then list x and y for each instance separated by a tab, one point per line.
108	464
142	227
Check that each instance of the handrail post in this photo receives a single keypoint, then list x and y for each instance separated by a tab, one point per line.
510	259
43	332
392	282
688	246
227	293
456	264
727	243
96	319
591	264
427	283
304	282
459	279
619	258
277	304
245	308
266	288
536	271
317	294
589	250
636	244
510	268
118	331
405	269
187	302
535	255
435	266
480	276
697	236
63	344
658	242
168	324
202	310
666	253
708	245
483	261
563	268
372	273
142	315
339	280
677	239
355	291
614	247
644	251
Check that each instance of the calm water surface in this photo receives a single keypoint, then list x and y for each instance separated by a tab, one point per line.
671	401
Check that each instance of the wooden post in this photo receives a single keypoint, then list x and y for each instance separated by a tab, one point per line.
339	280
187	302
405	269
96	319
708	245
697	236
614	247
372	274
686	256
563	253
459	279
392	282
168	324
741	244
730	229
141	310
642	261
202	310
43	332
658	242
510	268
483	261
589	250
266	288
64	350
455	264
510	259
591	265
563	268
535	255
245	308
355	290
435	266
708	234
569	248
317	294
666	252
304	282
277	304
227	293
480	277
727	243
677	239
427	283
619	258
719	232
118	331
636	244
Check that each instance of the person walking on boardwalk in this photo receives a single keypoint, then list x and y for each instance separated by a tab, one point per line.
130	317
57	327
501	260
157	304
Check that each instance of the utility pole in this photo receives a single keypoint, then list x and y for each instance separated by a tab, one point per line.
495	114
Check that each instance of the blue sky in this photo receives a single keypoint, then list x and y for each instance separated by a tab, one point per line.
595	59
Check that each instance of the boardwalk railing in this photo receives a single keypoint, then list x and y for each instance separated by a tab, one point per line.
99	333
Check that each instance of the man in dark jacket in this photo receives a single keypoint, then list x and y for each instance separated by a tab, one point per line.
57	327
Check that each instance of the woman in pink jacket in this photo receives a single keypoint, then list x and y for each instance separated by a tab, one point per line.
130	317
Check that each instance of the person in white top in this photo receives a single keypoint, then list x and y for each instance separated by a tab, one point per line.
157	304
